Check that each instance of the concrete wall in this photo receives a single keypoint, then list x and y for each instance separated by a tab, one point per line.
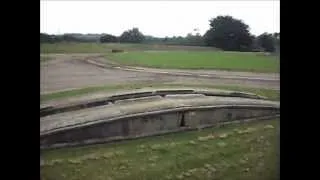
214	116
54	107
153	124
107	129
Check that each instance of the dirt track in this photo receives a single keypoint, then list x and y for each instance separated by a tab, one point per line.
72	71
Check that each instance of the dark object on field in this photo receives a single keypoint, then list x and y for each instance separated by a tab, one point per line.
117	50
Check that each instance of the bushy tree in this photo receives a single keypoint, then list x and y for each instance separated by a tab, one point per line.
46	38
195	40
108	38
267	42
228	33
69	38
132	36
276	36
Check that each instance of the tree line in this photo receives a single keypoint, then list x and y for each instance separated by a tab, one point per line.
225	32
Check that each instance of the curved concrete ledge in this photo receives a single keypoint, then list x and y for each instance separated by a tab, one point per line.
140	99
112	98
79	124
120	138
148	112
139	119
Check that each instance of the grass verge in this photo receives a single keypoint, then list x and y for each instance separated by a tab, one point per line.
239	61
247	151
271	94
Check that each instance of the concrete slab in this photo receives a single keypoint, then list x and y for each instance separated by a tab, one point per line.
108	112
184	96
101	95
138	100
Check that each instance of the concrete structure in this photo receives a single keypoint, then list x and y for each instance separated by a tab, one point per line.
145	113
106	98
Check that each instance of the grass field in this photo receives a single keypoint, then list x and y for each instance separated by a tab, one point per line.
272	94
241	61
247	151
106	48
171	56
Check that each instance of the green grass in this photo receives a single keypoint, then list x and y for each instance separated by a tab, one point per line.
72	48
242	61
106	48
271	94
239	151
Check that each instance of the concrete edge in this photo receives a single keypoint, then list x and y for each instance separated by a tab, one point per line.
48	110
163	111
120	138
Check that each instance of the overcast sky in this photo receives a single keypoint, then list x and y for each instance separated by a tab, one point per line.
157	18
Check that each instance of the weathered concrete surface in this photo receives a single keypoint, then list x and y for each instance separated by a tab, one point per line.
66	72
141	95
145	91
214	116
130	119
116	110
141	126
138	100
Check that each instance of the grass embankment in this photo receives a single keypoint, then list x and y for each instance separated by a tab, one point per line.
239	61
240	151
272	94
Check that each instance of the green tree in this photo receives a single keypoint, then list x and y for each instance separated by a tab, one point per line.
132	36
228	33
69	38
267	42
276	36
108	38
46	38
194	40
